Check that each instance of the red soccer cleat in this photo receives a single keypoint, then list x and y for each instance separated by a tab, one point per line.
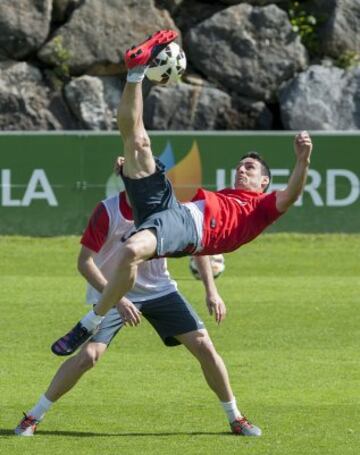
27	426
148	49
242	427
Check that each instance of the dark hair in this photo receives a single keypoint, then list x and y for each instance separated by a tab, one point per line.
264	166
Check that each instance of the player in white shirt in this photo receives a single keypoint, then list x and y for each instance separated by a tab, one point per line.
155	297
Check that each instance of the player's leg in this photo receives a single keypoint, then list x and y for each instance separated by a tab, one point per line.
64	380
137	249
200	345
71	371
176	322
139	161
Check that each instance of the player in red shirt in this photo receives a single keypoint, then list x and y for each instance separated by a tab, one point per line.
214	222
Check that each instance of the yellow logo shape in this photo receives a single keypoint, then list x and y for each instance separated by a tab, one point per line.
186	176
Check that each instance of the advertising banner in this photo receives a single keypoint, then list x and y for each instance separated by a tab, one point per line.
50	183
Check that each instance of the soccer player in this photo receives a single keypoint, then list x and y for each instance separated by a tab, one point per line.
214	222
156	298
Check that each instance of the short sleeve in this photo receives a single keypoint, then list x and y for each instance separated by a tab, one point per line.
97	229
268	206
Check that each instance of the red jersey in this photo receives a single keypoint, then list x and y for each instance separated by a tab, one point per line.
234	217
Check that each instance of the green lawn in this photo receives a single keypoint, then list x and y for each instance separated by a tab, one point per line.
290	342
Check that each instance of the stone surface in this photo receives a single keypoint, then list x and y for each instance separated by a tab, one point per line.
322	98
246	66
186	107
340	31
62	9
170	5
112	92
24	26
98	33
25	102
86	98
190	13
253	2
249	50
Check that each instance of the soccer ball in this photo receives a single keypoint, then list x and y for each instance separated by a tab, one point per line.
217	262
168	66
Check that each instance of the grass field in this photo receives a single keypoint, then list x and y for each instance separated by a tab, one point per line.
290	341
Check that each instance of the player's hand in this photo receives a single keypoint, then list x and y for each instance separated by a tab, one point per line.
216	306
303	146
119	163
129	313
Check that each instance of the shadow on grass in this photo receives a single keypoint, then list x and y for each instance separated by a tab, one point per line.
87	434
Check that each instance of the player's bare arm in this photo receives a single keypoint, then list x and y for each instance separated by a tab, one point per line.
89	270
303	148
214	301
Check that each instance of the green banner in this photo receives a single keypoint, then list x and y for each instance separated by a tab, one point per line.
50	183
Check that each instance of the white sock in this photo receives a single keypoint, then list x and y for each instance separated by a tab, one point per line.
41	408
137	73
231	409
91	320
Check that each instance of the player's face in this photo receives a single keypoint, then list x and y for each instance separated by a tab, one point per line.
249	175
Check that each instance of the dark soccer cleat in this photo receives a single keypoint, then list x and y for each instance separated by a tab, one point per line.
27	426
69	343
242	427
149	49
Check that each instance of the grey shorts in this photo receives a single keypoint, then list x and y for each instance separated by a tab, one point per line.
170	315
156	207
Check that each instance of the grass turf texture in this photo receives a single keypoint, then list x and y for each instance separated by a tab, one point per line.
290	342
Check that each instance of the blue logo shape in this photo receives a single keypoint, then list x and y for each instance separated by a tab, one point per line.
167	157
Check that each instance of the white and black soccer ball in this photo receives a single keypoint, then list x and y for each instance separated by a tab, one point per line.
168	66
217	262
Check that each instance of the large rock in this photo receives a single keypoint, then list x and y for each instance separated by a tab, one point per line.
340	31
249	50
187	107
24	27
25	102
98	33
322	98
113	87
86	98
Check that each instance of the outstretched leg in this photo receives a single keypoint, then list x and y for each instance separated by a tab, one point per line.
139	160
139	163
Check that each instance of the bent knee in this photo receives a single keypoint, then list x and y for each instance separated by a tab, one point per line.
131	250
89	356
140	246
204	348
